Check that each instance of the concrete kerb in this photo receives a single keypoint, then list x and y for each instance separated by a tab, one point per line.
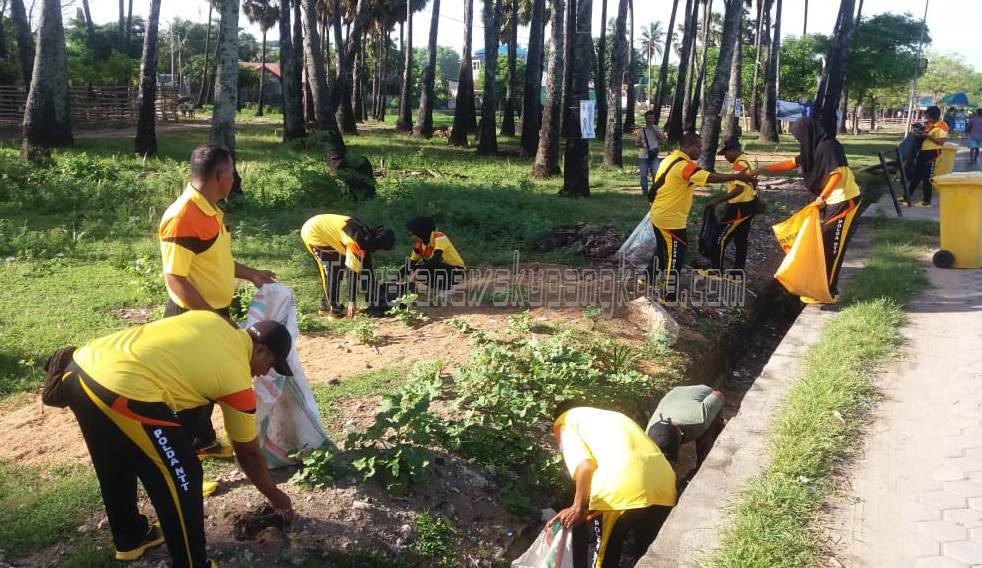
741	451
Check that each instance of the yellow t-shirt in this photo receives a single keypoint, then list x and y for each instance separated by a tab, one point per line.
195	244
438	241
670	209
846	189
938	130
742	164
184	361
327	231
631	471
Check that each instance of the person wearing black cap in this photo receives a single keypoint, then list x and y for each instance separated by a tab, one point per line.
434	260
741	206
339	242
125	390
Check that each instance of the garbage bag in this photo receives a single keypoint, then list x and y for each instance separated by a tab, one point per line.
552	549
787	231
709	234
803	271
286	414
639	248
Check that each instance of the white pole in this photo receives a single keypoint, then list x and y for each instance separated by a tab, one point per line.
917	68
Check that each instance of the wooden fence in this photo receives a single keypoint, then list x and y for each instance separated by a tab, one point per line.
101	106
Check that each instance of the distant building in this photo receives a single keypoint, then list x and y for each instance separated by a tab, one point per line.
478	59
272	90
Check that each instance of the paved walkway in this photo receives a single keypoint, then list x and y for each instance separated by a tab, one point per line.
914	495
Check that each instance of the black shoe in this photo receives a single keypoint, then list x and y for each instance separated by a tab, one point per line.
376	311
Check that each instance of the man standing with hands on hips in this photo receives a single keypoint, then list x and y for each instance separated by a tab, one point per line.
198	267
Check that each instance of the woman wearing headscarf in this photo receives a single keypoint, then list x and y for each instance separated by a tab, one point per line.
341	243
823	163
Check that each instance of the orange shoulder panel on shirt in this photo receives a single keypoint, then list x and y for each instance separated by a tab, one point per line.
831	184
243	400
739	167
689	169
190	221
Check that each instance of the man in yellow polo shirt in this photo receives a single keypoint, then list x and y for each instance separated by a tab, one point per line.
741	207
125	390
671	201
199	270
933	136
623	484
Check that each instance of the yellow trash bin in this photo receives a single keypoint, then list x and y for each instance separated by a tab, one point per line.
947	161
961	220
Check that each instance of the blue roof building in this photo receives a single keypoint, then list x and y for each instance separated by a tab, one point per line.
477	60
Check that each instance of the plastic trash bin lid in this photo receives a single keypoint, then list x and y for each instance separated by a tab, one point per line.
959	178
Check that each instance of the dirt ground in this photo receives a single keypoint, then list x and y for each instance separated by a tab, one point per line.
347	516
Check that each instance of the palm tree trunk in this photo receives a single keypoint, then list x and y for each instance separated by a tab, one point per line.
404	122
25	40
705	58
358	84
600	80
120	35
845	91
613	149
531	106
314	57
3	35
731	126
729	41
129	24
804	26
293	126
204	68
830	88
576	158
693	68
146	132
487	139
226	78
424	121
763	40
89	28
508	112
262	75
464	111
383	103
630	78
48	111
214	69
546	162
663	70
678	101
768	127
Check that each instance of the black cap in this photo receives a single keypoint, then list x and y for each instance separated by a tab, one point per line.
731	144
277	339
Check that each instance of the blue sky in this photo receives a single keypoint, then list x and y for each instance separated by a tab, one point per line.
954	24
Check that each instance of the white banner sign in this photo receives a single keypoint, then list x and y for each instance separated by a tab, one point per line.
588	119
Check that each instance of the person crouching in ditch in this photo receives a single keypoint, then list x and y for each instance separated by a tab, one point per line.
687	414
125	390
340	242
623	484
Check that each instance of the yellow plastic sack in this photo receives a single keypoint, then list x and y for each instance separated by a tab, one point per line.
787	231
803	271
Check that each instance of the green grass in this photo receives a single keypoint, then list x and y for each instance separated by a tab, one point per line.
822	421
372	383
40	507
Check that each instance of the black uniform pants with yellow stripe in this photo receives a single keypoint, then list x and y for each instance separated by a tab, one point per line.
734	227
924	172
130	440
599	541
330	267
837	229
669	258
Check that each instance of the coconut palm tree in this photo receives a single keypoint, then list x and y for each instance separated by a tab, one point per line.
202	92
613	150
316	72
722	80
25	40
487	140
511	38
546	163
531	107
48	111
697	70
833	76
663	70
293	126
631	76
265	15
424	120
226	78
576	158
652	44
762	41
146	133
678	100
731	125
464	114
600	78
768	125
404	122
